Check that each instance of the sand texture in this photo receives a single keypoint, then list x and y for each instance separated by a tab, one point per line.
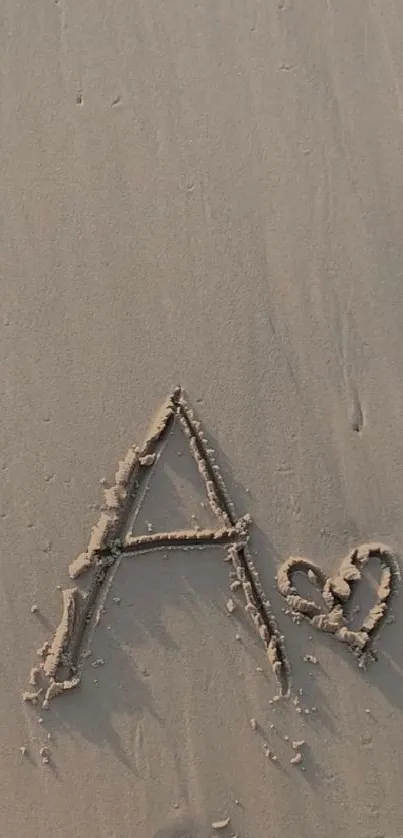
201	449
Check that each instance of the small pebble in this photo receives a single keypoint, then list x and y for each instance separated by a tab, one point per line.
259	669
296	746
310	659
231	606
253	724
307	711
98	662
296	760
238	637
24	750
40	720
34	675
34	609
44	752
221	824
31	696
116	600
45	760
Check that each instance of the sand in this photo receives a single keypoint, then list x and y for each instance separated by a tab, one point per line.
206	195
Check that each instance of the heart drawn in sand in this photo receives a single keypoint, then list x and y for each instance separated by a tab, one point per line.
336	591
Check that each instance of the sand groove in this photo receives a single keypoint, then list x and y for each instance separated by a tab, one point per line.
111	541
337	590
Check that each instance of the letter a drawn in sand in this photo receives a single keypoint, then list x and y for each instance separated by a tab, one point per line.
112	541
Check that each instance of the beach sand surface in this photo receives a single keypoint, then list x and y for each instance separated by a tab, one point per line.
206	194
